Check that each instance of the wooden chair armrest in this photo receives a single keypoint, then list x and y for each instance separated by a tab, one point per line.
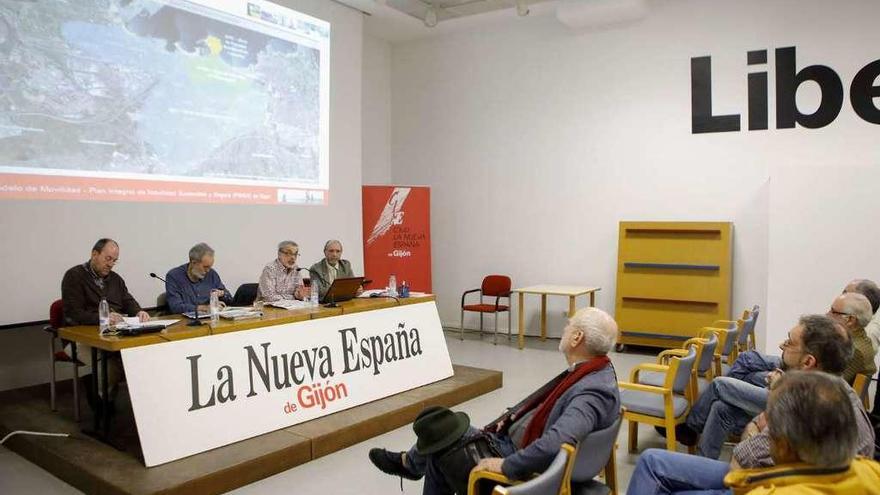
664	356
706	333
476	476
694	340
634	374
638	387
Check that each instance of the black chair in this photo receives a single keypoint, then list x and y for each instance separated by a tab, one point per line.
162	304
245	295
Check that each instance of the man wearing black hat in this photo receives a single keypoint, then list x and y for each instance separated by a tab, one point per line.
526	438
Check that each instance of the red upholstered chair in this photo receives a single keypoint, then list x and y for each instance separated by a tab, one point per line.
56	321
497	286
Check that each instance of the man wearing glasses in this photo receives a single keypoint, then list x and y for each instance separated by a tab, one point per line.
816	343
280	278
728	403
853	311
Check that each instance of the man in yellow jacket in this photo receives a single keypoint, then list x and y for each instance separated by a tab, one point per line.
814	440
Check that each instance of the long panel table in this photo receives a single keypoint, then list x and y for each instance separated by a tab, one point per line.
106	344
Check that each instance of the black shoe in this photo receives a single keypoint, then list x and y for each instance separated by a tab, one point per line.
685	435
391	463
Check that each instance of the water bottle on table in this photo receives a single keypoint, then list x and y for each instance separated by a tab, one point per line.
103	317
392	286
215	307
313	296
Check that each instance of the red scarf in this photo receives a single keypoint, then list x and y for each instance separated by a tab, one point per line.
535	428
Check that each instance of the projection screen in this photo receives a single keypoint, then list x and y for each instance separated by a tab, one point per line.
207	101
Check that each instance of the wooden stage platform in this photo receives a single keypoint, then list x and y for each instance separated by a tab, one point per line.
95	467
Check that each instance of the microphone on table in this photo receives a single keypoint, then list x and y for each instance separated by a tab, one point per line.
156	276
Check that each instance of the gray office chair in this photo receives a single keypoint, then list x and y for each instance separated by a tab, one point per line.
596	454
553	481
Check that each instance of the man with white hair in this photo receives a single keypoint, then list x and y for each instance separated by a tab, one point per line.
280	279
870	290
527	437
853	311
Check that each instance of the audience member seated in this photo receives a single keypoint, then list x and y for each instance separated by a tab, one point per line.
813	441
853	311
662	472
280	278
82	289
727	404
581	399
870	290
190	285
324	272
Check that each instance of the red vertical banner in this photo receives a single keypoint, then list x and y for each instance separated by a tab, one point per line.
397	235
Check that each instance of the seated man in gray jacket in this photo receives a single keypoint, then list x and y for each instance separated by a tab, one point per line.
324	272
582	399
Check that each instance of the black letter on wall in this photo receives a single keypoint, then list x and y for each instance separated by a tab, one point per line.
787	82
702	119
757	91
862	93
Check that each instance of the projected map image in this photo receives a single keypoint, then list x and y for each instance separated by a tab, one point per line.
154	92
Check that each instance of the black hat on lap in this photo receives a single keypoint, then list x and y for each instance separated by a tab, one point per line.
437	428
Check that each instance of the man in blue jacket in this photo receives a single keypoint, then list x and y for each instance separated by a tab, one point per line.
191	284
582	399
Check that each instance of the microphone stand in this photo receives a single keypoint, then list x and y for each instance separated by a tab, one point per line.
195	321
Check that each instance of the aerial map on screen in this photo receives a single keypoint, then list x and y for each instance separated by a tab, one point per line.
146	100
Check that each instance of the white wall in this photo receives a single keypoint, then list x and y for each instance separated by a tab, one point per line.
537	141
831	210
376	114
43	239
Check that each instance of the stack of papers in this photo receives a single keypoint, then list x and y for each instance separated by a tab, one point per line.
240	314
371	292
384	293
289	304
134	322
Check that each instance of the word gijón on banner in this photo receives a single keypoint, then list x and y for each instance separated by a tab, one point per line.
268	371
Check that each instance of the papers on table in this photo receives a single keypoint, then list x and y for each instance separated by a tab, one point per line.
240	314
134	322
289	304
384	293
202	314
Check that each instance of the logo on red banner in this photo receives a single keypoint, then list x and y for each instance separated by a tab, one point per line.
397	239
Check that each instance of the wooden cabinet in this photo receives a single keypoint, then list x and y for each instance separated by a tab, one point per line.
673	278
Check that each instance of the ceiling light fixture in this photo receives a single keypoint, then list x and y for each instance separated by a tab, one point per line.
522	8
431	16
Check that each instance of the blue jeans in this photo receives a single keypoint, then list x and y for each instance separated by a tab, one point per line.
753	367
726	406
663	472
435	483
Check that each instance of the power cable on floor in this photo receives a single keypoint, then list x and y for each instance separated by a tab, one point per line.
38	433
